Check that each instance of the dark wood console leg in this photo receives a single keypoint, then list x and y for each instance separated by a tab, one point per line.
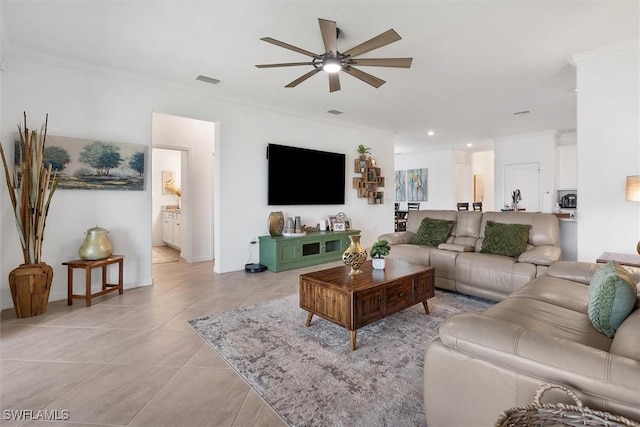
69	286
353	340
426	307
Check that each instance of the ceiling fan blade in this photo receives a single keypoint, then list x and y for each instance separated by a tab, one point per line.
329	36
383	62
299	80
334	82
365	77
284	64
288	46
380	40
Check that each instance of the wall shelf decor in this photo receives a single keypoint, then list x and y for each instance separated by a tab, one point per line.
367	185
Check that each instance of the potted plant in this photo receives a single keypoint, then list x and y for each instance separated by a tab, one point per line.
379	250
363	151
31	185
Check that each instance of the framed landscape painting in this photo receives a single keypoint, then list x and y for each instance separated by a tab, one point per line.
94	165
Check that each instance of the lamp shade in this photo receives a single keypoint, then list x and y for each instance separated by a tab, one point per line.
633	188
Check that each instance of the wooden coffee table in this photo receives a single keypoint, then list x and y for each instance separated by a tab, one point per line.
355	301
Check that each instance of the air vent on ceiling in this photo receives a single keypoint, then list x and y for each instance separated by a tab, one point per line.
521	113
208	79
334	112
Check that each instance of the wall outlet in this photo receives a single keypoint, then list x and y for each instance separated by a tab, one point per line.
253	241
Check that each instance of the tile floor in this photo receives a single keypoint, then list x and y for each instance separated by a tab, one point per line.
132	359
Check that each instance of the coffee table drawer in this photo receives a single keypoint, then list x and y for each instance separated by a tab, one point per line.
399	295
326	302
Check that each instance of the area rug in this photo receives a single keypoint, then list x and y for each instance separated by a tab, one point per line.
310	377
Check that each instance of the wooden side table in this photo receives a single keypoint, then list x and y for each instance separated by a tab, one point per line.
624	259
88	266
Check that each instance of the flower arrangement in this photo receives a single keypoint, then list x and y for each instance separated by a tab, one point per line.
31	185
174	189
516	198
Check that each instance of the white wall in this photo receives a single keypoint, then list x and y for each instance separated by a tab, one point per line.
89	104
162	160
441	176
3	194
608	148
528	148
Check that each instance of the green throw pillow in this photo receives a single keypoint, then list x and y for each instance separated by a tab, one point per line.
505	239
432	232
612	296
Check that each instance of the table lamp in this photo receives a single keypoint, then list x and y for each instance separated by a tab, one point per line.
633	193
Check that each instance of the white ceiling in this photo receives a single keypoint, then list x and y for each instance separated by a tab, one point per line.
475	62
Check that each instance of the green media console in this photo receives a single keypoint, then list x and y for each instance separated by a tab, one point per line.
287	253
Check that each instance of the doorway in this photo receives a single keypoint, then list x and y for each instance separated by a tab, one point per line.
169	213
194	141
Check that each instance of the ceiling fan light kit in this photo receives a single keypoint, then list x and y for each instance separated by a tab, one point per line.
332	61
331	65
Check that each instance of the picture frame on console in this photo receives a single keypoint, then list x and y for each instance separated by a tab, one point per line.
347	224
339	226
332	220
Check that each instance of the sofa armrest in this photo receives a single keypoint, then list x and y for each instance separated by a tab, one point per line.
541	255
398	237
575	271
582	272
592	370
452	247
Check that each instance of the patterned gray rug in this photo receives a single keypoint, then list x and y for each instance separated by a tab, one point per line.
311	378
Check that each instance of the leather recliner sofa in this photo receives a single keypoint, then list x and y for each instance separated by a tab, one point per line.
482	364
459	264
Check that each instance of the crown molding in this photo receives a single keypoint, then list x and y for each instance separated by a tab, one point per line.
627	46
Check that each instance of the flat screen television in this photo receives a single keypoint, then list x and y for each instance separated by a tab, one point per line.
300	176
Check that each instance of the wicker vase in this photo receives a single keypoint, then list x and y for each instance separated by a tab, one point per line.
276	223
354	256
30	285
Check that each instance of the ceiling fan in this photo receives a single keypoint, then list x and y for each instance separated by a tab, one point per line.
332	61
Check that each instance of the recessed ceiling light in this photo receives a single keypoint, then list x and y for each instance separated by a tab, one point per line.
431	133
469	144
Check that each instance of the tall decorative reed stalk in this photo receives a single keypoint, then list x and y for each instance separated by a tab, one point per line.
31	186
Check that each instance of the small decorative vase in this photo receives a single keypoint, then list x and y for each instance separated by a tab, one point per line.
276	223
289	228
378	263
354	256
96	245
298	225
30	285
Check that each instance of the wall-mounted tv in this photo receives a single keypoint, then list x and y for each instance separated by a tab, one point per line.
300	176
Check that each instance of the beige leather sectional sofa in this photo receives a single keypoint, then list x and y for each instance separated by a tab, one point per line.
459	264
484	363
